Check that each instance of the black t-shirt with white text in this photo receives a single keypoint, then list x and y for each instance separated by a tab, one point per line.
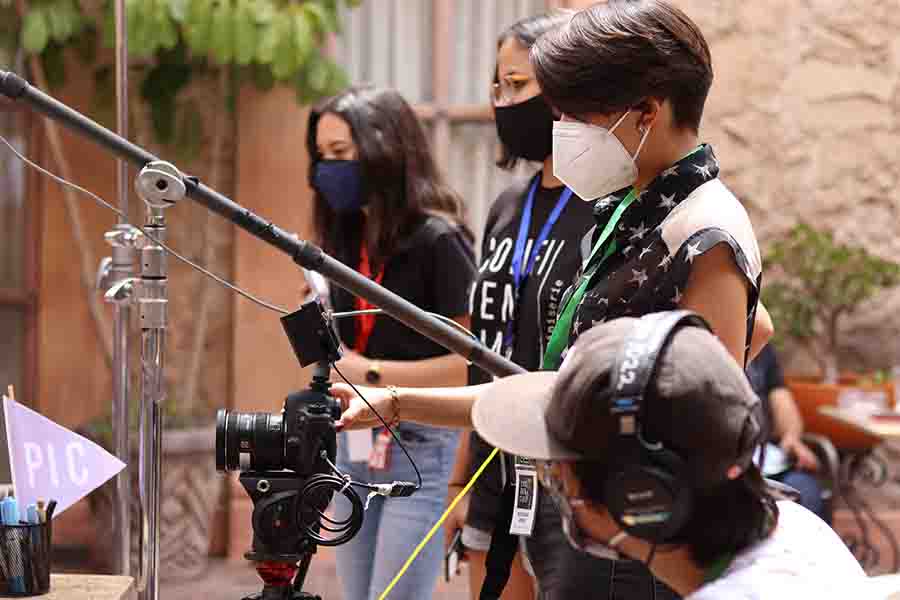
492	298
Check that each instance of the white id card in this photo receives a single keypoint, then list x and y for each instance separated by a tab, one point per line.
359	444
526	498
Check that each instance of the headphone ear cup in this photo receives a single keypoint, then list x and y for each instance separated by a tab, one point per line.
649	500
639	497
670	468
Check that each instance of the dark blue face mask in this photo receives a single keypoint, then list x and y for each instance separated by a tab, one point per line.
339	182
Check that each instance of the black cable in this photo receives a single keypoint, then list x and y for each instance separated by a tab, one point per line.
324	483
383	422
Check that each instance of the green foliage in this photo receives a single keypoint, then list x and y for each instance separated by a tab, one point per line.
266	42
812	282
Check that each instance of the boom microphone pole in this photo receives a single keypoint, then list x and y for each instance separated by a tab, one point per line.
302	252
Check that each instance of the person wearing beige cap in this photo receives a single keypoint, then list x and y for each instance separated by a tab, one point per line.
644	439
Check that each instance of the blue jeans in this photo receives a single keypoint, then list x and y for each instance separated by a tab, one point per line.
393	527
810	491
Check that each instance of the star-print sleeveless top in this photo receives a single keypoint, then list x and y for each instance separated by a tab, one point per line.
684	213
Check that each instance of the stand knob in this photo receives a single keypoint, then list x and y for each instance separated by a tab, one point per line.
160	185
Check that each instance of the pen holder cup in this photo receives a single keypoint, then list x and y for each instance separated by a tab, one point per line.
25	553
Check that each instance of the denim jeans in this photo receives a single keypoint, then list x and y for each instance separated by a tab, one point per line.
393	527
810	491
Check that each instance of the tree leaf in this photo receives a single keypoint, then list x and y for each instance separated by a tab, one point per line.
264	12
222	43
35	31
303	38
284	63
270	40
166	29
59	25
245	36
317	75
178	10
318	17
199	29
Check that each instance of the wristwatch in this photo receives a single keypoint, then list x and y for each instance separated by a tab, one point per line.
373	373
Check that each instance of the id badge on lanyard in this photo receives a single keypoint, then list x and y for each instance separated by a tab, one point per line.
525	508
526	476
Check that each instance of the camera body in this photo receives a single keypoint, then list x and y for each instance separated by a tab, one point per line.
293	439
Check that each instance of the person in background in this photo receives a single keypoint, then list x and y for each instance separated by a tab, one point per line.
382	208
787	458
529	254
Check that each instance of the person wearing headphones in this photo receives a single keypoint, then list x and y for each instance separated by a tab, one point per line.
644	440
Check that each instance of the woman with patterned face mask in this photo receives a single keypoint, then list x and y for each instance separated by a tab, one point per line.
382	208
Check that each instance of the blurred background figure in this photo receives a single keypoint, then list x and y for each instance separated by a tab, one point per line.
787	458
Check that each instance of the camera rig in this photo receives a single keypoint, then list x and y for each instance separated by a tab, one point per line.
286	463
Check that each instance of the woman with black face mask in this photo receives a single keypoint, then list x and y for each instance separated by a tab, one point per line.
382	207
530	253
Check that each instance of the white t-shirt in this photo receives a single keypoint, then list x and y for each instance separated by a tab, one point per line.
803	558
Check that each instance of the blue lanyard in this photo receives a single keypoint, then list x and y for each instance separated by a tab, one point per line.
520	276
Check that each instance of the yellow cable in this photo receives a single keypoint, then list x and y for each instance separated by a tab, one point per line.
437	525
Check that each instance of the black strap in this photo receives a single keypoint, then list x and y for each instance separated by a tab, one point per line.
503	548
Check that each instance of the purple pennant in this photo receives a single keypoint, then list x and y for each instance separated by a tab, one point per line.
50	462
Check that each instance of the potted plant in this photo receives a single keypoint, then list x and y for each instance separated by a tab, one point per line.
813	283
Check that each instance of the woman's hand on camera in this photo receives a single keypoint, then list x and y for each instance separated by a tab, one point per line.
356	414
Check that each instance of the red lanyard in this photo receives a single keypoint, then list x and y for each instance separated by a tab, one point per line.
365	323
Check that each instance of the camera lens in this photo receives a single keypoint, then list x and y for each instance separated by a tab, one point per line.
249	441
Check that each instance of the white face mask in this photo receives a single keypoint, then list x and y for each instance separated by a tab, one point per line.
592	161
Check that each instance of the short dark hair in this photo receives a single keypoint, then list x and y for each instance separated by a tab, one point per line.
724	520
614	56
401	180
526	32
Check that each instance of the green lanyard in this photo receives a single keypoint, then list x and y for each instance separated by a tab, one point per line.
559	339
718	568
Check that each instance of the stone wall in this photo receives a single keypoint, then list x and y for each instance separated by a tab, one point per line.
803	115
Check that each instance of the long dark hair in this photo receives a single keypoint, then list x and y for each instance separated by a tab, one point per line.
401	182
526	32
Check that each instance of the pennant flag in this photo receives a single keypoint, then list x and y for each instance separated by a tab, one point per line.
50	462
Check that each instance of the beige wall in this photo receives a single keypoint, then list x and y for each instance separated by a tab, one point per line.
271	181
74	381
803	115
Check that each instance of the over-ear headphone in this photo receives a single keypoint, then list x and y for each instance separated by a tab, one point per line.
646	491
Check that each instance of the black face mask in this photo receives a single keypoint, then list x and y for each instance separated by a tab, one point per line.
526	128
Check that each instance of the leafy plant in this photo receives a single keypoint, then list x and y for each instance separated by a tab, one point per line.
173	42
813	282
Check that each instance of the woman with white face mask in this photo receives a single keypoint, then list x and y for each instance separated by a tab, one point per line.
630	78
